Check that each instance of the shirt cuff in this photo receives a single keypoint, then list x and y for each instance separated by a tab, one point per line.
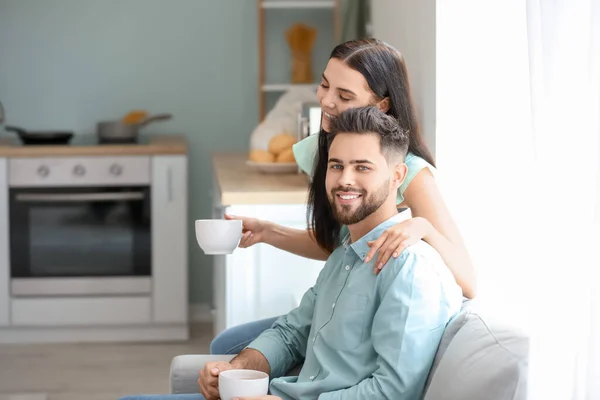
277	355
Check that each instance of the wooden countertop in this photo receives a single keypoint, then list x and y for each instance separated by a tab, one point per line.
165	144
239	184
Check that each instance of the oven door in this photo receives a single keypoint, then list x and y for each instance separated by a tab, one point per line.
80	241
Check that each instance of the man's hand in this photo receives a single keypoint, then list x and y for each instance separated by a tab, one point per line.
209	379
269	397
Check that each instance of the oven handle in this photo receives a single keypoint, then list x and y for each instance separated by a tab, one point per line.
78	197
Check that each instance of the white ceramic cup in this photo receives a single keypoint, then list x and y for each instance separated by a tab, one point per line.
218	236
243	383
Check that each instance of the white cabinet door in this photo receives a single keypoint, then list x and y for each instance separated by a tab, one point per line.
169	239
4	246
262	281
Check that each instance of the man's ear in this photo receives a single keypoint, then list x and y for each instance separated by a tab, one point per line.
384	105
399	174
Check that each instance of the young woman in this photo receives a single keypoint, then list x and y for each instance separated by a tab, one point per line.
359	73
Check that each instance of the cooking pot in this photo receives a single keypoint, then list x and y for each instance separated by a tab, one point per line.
120	132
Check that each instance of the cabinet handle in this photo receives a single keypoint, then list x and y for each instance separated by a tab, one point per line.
169	185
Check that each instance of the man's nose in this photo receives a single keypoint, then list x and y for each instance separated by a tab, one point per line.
346	178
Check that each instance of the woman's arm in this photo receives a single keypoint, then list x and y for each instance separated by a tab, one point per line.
425	200
296	241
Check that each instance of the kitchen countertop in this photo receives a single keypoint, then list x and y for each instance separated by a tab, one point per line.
83	145
239	184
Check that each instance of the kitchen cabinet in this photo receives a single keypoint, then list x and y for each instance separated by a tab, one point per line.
4	255
170	242
261	281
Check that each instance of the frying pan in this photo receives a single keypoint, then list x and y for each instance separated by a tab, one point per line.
41	137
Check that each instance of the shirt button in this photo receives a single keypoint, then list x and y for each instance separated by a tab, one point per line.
347	267
312	377
333	305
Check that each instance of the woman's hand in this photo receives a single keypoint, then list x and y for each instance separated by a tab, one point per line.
253	230
395	239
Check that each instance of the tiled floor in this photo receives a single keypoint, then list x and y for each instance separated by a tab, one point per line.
92	371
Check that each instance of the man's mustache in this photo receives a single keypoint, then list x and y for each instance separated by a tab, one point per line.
347	189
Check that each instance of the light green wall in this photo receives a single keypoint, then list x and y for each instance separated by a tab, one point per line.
65	64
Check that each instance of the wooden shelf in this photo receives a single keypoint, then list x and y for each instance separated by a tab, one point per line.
298	4
282	87
266	90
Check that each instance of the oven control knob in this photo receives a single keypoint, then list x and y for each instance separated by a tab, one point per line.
43	171
116	169
79	170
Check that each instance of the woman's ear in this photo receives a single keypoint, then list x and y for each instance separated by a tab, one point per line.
384	105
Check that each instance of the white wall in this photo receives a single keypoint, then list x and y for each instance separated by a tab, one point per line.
410	26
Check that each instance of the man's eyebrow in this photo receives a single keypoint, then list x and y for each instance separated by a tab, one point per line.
363	161
340	89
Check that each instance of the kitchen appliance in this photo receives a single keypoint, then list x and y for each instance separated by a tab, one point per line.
41	137
80	226
121	132
309	119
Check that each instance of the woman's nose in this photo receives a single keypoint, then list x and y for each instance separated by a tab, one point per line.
327	102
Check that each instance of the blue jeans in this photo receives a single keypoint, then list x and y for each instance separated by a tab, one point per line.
164	397
235	339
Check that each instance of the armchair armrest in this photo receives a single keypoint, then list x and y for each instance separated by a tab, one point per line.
185	371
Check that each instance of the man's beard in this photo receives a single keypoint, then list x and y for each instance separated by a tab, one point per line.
368	205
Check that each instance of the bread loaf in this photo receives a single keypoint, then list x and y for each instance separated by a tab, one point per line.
281	142
286	156
261	156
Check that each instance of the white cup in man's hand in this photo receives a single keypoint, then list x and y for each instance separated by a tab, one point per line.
243	383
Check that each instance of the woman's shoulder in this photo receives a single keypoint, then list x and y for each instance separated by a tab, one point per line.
414	164
305	152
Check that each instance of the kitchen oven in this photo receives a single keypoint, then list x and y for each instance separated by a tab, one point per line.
80	226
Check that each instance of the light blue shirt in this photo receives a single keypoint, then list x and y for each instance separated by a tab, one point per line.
361	335
305	152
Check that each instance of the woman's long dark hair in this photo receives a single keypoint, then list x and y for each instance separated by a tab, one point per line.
384	70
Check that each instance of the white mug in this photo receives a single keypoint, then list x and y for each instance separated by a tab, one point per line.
218	236
243	383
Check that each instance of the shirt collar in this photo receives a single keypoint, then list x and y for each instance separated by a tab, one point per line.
360	247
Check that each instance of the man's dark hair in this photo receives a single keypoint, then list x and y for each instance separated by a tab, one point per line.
393	139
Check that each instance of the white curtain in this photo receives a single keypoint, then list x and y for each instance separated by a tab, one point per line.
518	151
564	57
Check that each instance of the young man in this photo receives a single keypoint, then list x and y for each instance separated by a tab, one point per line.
360	335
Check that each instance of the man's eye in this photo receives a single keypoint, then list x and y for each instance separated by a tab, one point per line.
362	168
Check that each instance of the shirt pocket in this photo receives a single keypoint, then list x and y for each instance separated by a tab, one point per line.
346	328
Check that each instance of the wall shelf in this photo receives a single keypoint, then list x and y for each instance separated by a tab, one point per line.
324	11
282	87
298	4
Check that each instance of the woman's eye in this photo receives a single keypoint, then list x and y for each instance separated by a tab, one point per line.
323	85
335	166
